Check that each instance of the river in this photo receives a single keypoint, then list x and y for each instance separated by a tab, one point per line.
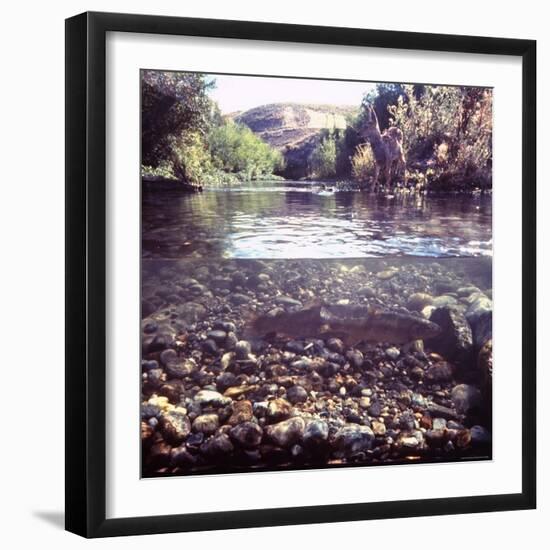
300	220
243	368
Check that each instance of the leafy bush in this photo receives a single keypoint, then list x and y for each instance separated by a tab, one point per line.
191	160
448	130
235	148
163	170
322	160
363	163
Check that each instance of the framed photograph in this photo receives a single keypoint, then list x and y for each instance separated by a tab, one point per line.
300	274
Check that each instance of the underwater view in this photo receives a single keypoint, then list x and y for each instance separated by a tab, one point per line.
304	362
316	274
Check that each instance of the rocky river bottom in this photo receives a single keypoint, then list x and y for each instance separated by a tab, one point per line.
217	399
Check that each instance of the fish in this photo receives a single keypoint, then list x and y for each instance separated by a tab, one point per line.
351	323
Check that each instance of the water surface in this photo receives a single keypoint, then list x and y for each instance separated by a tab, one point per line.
299	220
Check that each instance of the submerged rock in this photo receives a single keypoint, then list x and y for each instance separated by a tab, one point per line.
181	369
217	447
242	412
378	428
287	432
243	349
218	336
206	423
191	312
247	434
296	394
465	398
354	438
175	426
211	398
180	456
278	409
440	372
455	342
315	434
393	353
480	435
482	328
419	300
485	362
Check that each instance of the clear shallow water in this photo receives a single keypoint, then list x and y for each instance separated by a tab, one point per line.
296	220
200	311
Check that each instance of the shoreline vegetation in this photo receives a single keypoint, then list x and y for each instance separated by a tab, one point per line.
188	144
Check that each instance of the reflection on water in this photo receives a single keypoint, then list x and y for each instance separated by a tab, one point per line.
293	221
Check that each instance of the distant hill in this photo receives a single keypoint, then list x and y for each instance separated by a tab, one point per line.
294	128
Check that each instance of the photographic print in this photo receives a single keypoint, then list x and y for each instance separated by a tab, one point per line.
316	273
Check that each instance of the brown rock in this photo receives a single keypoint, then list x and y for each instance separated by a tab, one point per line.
278	409
237	391
175	426
288	432
206	423
440	372
242	412
172	389
247	434
426	422
463	439
485	361
147	434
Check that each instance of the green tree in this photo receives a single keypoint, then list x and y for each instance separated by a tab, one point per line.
172	104
381	98
235	148
322	160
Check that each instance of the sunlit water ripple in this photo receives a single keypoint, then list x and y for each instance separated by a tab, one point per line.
295	221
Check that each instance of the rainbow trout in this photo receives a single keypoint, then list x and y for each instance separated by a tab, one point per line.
352	324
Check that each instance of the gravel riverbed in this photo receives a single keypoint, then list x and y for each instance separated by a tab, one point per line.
217	399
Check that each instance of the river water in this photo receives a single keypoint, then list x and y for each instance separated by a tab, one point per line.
219	397
297	220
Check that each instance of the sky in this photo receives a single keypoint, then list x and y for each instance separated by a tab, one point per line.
239	93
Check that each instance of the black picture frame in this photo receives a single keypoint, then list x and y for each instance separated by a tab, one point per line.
86	274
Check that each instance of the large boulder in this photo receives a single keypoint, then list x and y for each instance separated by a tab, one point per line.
288	432
455	342
353	438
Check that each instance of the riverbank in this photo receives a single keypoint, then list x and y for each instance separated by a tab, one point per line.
159	183
216	400
163	184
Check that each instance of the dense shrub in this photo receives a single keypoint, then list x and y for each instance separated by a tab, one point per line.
448	131
363	164
322	161
236	149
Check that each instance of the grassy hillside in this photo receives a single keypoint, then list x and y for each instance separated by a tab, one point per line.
294	128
